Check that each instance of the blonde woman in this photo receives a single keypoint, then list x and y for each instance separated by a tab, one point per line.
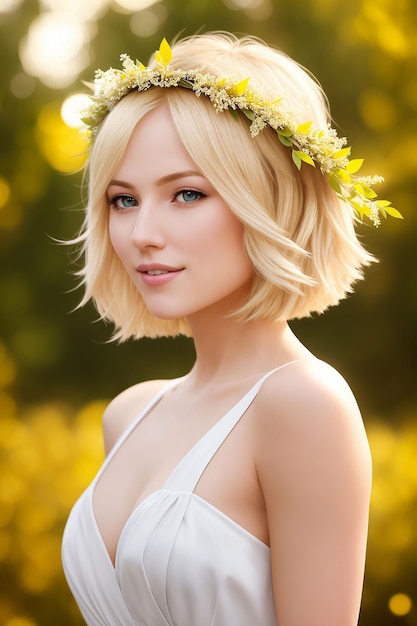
222	208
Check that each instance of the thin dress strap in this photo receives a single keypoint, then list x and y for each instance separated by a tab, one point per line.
187	473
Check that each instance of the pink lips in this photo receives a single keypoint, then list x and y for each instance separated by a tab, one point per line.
157	274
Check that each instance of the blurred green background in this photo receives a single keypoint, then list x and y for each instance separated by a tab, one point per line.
57	370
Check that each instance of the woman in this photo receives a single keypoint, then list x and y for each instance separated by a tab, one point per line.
237	495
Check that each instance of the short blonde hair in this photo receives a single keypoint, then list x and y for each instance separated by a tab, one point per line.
299	236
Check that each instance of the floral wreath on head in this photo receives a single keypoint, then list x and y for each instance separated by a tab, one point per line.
321	147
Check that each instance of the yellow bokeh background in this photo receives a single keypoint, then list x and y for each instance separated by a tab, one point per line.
50	453
57	372
64	148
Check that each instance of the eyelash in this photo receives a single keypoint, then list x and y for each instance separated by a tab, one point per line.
115	199
200	195
113	202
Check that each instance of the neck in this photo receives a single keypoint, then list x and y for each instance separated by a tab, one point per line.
227	350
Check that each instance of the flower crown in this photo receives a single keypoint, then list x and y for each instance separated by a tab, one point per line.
314	147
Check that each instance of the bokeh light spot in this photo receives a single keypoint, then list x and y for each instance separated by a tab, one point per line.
392	39
82	9
243	4
262	12
63	147
400	604
254	9
131	6
54	49
22	85
71	107
7	6
144	23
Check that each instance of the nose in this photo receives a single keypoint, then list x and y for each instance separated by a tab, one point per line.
148	229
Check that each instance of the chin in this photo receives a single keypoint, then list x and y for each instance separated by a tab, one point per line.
168	316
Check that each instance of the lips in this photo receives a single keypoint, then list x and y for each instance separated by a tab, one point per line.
157	275
156	269
156	272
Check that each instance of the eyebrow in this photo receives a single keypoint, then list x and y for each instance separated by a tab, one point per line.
162	181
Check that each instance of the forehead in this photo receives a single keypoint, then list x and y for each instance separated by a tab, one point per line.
155	146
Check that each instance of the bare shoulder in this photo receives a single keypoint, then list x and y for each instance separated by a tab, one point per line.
305	394
308	407
314	469
125	407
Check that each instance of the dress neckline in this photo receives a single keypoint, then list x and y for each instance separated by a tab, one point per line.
232	416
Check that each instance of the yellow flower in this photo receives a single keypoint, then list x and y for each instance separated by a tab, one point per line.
163	56
321	147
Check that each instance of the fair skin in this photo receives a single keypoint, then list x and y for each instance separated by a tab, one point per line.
295	472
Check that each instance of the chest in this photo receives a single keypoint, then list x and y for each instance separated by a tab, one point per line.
154	449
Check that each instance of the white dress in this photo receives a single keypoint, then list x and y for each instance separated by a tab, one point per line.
180	561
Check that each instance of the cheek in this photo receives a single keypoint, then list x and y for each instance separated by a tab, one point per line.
230	236
221	241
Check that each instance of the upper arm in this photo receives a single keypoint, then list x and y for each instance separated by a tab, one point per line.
314	469
125	407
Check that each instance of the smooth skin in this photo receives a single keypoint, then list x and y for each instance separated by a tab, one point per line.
296	471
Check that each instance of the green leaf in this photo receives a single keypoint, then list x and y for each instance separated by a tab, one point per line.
335	185
234	113
305	157
248	114
286	132
88	121
185	83
283	139
297	159
354	166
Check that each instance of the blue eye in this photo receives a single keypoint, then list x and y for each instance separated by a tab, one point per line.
189	195
123	202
